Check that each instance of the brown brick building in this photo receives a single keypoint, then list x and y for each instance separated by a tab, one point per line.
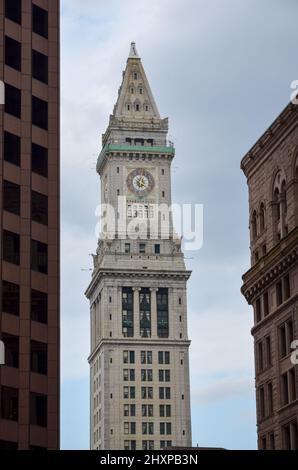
271	285
29	222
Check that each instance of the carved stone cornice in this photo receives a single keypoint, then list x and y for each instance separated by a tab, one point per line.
135	274
271	267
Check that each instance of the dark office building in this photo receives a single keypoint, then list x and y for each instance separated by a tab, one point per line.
29	222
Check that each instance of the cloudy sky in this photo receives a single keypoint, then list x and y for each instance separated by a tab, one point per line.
221	71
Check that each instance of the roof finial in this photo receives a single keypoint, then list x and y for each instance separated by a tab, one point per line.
133	53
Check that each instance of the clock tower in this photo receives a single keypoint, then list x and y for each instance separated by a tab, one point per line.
139	364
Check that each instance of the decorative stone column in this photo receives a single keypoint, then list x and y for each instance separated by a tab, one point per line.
153	303
136	311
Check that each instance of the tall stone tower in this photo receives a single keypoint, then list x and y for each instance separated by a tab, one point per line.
140	397
271	285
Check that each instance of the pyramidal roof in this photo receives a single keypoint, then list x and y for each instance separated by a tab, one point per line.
135	98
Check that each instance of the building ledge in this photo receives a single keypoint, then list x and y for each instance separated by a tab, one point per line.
149	149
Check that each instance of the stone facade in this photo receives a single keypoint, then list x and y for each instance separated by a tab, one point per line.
139	365
271	285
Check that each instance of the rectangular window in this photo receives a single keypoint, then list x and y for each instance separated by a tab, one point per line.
272	441
11	197
164	411
39	113
39	208
13	53
147	393
39	306
40	66
165	428
146	357
147	445
162	313
157	249
145	313
279	297
127	312
39	160
270	399
164	393
258	310
39	257
260	356
292	385
268	352
127	248
142	248
12	148
12	101
9	403
128	357
38	409
10	298
11	247
290	436
40	21
39	358
285	389
165	444
266	304
163	357
286	336
262	401
287	287
13	10
11	350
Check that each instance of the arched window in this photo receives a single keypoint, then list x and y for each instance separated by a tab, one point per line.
280	206
254	227
262	217
135	76
276	200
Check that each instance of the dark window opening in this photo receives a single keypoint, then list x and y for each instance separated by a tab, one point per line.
40	21
39	113
279	297
11	343
13	10
127	312
11	247
287	287
39	208
39	358
266	304
157	249
12	148
162	313
142	248
38	409
9	403
11	197
10	298
145	313
39	306
39	161
40	66
39	257
12	101
258	310
13	53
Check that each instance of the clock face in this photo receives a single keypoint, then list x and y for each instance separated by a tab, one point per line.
140	182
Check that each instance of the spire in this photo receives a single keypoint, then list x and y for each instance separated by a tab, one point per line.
133	53
135	98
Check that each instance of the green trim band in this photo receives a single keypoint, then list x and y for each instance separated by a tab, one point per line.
133	148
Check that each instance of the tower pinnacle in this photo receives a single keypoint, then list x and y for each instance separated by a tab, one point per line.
133	53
